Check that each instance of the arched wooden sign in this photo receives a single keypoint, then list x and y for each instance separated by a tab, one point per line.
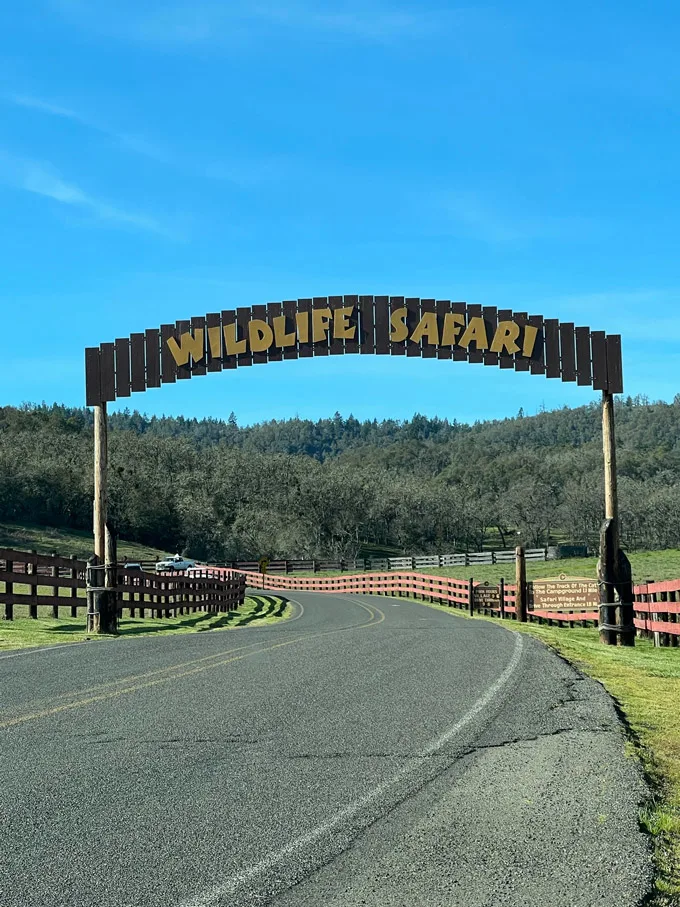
334	325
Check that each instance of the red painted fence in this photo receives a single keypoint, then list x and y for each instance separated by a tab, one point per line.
657	605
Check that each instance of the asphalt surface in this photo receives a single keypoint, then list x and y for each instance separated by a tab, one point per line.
371	751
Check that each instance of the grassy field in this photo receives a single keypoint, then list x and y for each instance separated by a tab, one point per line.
23	632
647	565
67	542
645	683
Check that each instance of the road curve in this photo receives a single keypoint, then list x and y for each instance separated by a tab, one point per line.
371	751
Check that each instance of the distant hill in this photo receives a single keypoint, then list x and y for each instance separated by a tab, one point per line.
328	487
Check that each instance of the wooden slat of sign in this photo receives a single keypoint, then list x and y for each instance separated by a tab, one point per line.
290	307
92	376
336	346
366	324
413	348
274	310
243	316
538	355
522	364
137	362
321	347
583	370
213	320
552	347
122	366
305	349
382	324
397	347
599	346
568	351
228	318
490	315
153	358
505	360
198	324
442	306
108	372
352	345
429	350
614	364
460	354
183	371
259	312
474	355
168	364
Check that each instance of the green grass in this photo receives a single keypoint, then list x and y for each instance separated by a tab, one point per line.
66	542
645	683
23	632
647	565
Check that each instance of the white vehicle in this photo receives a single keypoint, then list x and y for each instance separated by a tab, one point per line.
174	564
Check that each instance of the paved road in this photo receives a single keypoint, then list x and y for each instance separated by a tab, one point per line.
371	751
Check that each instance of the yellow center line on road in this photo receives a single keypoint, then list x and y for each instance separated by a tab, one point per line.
131	678
174	674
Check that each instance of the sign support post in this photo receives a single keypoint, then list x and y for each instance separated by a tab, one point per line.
614	574
521	583
102	607
100	470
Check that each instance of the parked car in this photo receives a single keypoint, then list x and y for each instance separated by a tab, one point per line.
132	565
174	564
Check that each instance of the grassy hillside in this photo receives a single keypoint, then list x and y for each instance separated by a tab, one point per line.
66	542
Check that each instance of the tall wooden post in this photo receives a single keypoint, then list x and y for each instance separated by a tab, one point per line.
611	498
102	608
521	584
100	467
617	626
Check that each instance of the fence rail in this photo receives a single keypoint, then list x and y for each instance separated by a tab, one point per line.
372	564
657	605
37	580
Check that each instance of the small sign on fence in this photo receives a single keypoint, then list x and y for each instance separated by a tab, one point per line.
263	564
486	596
563	593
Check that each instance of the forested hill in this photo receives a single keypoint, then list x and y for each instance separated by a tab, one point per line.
322	488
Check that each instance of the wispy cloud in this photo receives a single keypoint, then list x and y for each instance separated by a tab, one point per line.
244	170
473	215
213	22
42	179
125	140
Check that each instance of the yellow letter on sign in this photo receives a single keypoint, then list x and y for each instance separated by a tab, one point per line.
342	329
232	346
260	335
281	339
321	319
189	345
399	330
427	330
505	337
475	332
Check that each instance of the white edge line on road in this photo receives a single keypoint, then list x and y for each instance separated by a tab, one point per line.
212	897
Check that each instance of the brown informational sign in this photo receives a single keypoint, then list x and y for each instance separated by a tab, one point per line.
486	596
335	325
564	593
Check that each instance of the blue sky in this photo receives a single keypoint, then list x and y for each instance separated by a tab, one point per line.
160	160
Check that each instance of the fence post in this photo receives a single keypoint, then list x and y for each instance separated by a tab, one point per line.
501	593
74	590
54	570
521	581
9	588
471	594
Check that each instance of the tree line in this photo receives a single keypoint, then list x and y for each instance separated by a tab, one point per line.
327	488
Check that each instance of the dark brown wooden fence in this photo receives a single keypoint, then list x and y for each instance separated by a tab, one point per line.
37	580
